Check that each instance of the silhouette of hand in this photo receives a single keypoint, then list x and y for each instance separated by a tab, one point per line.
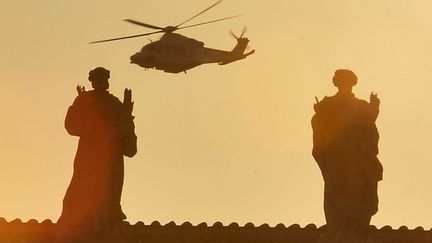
80	89
316	104
127	101
374	100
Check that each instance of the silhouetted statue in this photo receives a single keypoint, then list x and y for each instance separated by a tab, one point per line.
91	206
345	140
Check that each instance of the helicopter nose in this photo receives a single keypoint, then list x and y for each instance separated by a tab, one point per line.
134	58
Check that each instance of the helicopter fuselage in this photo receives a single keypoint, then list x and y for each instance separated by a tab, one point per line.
175	53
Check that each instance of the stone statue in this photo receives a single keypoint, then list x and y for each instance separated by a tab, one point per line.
345	146
91	206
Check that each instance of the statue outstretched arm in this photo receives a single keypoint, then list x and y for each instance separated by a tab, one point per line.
74	121
129	136
374	103
127	102
318	143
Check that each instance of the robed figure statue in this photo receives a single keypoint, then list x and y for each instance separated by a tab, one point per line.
105	127
345	146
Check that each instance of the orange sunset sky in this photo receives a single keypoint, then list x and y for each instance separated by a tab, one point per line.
220	143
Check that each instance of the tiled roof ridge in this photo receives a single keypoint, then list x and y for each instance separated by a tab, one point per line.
219	224
34	231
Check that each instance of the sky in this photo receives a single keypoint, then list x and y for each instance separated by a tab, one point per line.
220	143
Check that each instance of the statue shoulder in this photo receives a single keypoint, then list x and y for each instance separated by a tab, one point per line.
82	98
368	110
114	100
363	104
325	103
110	102
105	97
327	99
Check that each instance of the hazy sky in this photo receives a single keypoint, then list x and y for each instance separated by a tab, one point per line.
220	143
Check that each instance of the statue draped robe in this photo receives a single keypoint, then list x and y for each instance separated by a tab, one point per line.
345	140
106	131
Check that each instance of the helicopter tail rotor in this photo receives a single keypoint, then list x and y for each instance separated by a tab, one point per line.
233	35
242	41
241	35
243	32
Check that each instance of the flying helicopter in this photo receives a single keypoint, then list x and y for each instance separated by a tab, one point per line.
174	53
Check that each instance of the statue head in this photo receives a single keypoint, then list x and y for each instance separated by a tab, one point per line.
344	79
99	78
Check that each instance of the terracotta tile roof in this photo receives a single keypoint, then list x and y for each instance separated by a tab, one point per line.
34	231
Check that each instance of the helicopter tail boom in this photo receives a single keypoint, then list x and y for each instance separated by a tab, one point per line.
238	52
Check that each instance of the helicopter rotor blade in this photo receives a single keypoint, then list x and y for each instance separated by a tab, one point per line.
208	22
127	37
143	24
196	15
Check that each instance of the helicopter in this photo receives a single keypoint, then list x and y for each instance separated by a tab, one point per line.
174	53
